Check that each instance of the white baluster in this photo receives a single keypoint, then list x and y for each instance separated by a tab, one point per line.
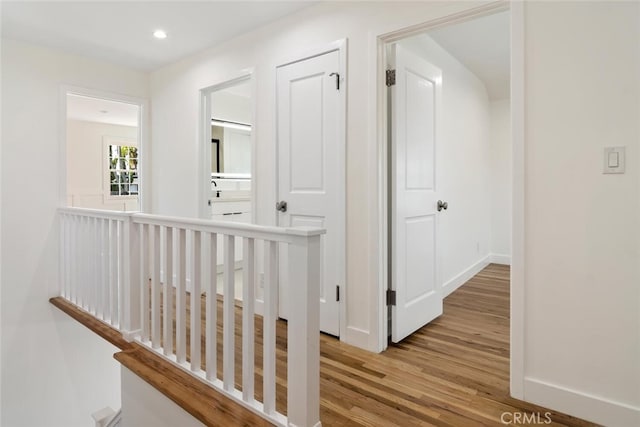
144	283
104	250
196	310
168	291
121	273
210	279
248	325
132	283
228	331
154	243
179	267
269	327
91	266
80	263
99	277
113	272
62	279
74	258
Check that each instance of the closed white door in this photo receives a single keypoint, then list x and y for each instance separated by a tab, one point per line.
310	138
415	130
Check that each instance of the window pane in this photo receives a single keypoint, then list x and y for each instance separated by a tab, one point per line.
123	170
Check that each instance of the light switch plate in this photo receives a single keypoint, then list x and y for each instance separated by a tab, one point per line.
613	160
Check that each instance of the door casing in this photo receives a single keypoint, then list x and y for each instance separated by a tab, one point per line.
379	127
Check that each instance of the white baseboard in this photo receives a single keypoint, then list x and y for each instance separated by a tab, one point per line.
500	259
579	404
357	337
461	278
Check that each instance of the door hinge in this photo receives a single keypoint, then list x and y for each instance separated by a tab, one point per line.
337	292
391	77
391	297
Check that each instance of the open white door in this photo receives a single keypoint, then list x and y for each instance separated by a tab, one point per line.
310	108
415	129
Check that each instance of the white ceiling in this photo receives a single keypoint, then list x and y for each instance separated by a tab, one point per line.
101	111
482	45
121	32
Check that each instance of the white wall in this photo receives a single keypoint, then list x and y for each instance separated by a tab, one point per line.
144	406
86	164
231	107
500	187
54	371
1	280
465	225
237	151
582	228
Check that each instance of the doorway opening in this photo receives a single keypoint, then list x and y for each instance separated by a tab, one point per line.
447	161
227	151
103	152
227	162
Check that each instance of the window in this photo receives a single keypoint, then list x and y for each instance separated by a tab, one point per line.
122	169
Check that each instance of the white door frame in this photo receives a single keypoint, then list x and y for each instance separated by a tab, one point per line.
380	129
341	47
143	140
204	140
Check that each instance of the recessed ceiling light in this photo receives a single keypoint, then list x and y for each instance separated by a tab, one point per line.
160	34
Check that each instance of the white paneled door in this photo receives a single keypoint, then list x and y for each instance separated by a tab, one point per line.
311	183
415	129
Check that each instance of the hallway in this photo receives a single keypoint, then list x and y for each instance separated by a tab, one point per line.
452	372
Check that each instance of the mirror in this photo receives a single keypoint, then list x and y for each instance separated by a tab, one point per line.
231	130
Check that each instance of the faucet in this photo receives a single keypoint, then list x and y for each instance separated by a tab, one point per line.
213	181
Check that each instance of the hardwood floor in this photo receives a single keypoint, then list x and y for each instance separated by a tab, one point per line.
452	372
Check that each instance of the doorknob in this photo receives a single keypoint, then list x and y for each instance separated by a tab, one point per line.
442	205
281	206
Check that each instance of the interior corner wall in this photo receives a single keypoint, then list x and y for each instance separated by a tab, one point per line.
465	226
55	372
500	167
582	227
175	117
86	164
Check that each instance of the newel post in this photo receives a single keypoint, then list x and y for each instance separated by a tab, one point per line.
131	290
303	335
